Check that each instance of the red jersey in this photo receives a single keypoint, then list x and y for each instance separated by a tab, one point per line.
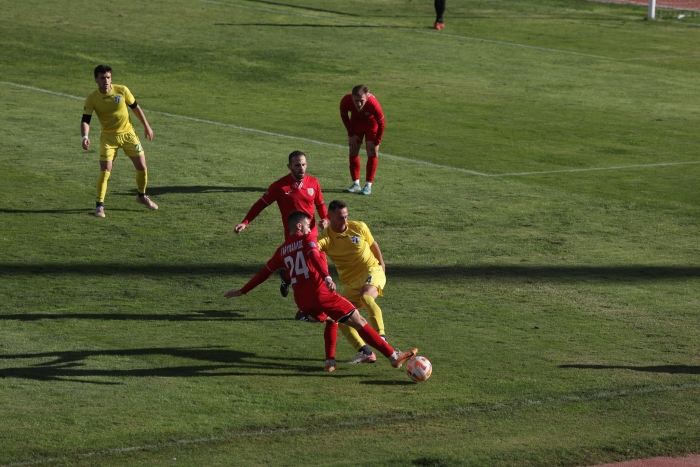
300	256
292	195
370	117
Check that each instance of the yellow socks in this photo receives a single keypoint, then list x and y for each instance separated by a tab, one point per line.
101	186
141	180
352	336
375	314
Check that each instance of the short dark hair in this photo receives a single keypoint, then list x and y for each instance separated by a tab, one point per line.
360	89
294	154
294	218
102	69
336	204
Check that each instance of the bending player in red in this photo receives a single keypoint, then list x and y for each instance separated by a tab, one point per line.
295	191
366	121
314	291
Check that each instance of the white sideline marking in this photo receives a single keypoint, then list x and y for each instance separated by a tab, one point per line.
383	154
363	422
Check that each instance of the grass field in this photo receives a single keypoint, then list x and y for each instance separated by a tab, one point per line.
536	203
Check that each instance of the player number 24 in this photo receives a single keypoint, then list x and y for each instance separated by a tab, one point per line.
297	267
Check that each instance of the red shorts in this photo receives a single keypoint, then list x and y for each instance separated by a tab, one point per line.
368	132
335	307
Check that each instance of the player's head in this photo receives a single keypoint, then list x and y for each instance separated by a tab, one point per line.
338	215
359	95
297	165
103	77
298	221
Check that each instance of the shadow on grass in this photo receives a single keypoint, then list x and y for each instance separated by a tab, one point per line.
306	25
417	272
388	383
70	365
307	8
670	369
86	210
201	316
194	189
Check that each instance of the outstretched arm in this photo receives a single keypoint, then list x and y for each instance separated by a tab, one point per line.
262	275
255	209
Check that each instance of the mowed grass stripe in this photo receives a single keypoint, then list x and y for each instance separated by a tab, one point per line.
389	156
365	422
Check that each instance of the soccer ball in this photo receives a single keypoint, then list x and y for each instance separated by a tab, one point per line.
419	369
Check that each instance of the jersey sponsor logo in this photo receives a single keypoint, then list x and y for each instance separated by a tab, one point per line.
288	192
310	191
369	280
355	239
312	244
118	99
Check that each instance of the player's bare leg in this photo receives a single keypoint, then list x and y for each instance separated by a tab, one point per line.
141	182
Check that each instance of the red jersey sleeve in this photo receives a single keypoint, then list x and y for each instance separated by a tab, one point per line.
264	274
346	107
378	115
314	258
318	201
269	197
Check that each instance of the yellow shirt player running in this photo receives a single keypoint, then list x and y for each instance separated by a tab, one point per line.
109	102
358	259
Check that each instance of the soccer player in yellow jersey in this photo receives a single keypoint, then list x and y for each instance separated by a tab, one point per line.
109	102
358	259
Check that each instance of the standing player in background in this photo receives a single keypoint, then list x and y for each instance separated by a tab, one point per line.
109	103
314	291
439	11
366	121
296	191
356	255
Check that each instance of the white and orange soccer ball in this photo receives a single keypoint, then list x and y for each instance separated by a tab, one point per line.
419	369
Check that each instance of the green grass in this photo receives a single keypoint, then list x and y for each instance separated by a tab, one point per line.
560	309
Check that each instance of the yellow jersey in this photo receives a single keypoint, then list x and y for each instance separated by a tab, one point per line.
111	109
349	250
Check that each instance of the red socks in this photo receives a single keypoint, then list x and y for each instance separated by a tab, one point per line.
372	163
355	167
330	337
372	338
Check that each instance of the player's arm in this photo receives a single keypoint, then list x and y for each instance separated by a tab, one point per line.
313	256
379	117
255	209
344	110
148	132
262	275
374	248
322	209
85	123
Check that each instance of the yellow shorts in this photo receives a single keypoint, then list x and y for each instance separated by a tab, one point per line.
373	276
129	142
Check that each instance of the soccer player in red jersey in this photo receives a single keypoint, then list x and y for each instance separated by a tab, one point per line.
315	292
366	121
296	191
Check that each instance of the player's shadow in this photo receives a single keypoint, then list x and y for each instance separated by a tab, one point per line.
197	316
81	366
306	8
55	211
304	25
377	382
195	189
669	369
